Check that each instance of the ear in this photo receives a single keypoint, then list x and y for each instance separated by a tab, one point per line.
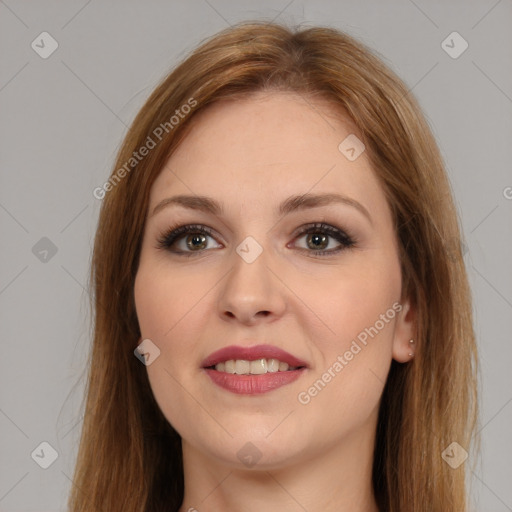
405	331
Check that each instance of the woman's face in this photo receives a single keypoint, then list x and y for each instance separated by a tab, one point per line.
318	279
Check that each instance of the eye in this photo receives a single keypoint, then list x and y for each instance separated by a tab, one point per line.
317	239
196	241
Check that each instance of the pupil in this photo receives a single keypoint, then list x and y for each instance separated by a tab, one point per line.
318	238
196	238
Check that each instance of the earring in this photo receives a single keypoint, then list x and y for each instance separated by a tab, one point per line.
411	354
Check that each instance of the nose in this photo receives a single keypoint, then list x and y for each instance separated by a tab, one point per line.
252	292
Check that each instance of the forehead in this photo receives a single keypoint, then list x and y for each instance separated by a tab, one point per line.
270	124
265	147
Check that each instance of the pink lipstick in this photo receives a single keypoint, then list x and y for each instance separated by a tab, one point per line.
252	370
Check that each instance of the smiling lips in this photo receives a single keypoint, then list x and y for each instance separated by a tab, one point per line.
252	370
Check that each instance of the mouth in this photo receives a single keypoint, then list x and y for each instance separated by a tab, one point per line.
257	359
255	367
252	370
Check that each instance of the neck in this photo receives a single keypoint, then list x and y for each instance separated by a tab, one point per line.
337	478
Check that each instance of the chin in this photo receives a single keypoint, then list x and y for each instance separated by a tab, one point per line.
256	448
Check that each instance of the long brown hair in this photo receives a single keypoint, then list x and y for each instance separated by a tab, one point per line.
129	457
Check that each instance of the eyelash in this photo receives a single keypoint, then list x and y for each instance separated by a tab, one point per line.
174	233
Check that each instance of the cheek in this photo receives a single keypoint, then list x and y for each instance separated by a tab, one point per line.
165	300
165	311
354	358
356	299
173	309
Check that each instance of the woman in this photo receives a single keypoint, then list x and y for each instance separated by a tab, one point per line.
279	248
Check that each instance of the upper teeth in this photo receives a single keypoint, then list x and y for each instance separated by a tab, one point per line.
242	366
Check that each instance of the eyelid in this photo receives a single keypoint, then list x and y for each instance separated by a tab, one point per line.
345	239
176	233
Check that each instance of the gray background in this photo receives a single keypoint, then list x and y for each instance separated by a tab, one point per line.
62	121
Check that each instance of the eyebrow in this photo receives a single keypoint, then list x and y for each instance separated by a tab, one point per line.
292	204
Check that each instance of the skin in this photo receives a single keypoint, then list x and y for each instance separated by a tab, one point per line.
251	155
